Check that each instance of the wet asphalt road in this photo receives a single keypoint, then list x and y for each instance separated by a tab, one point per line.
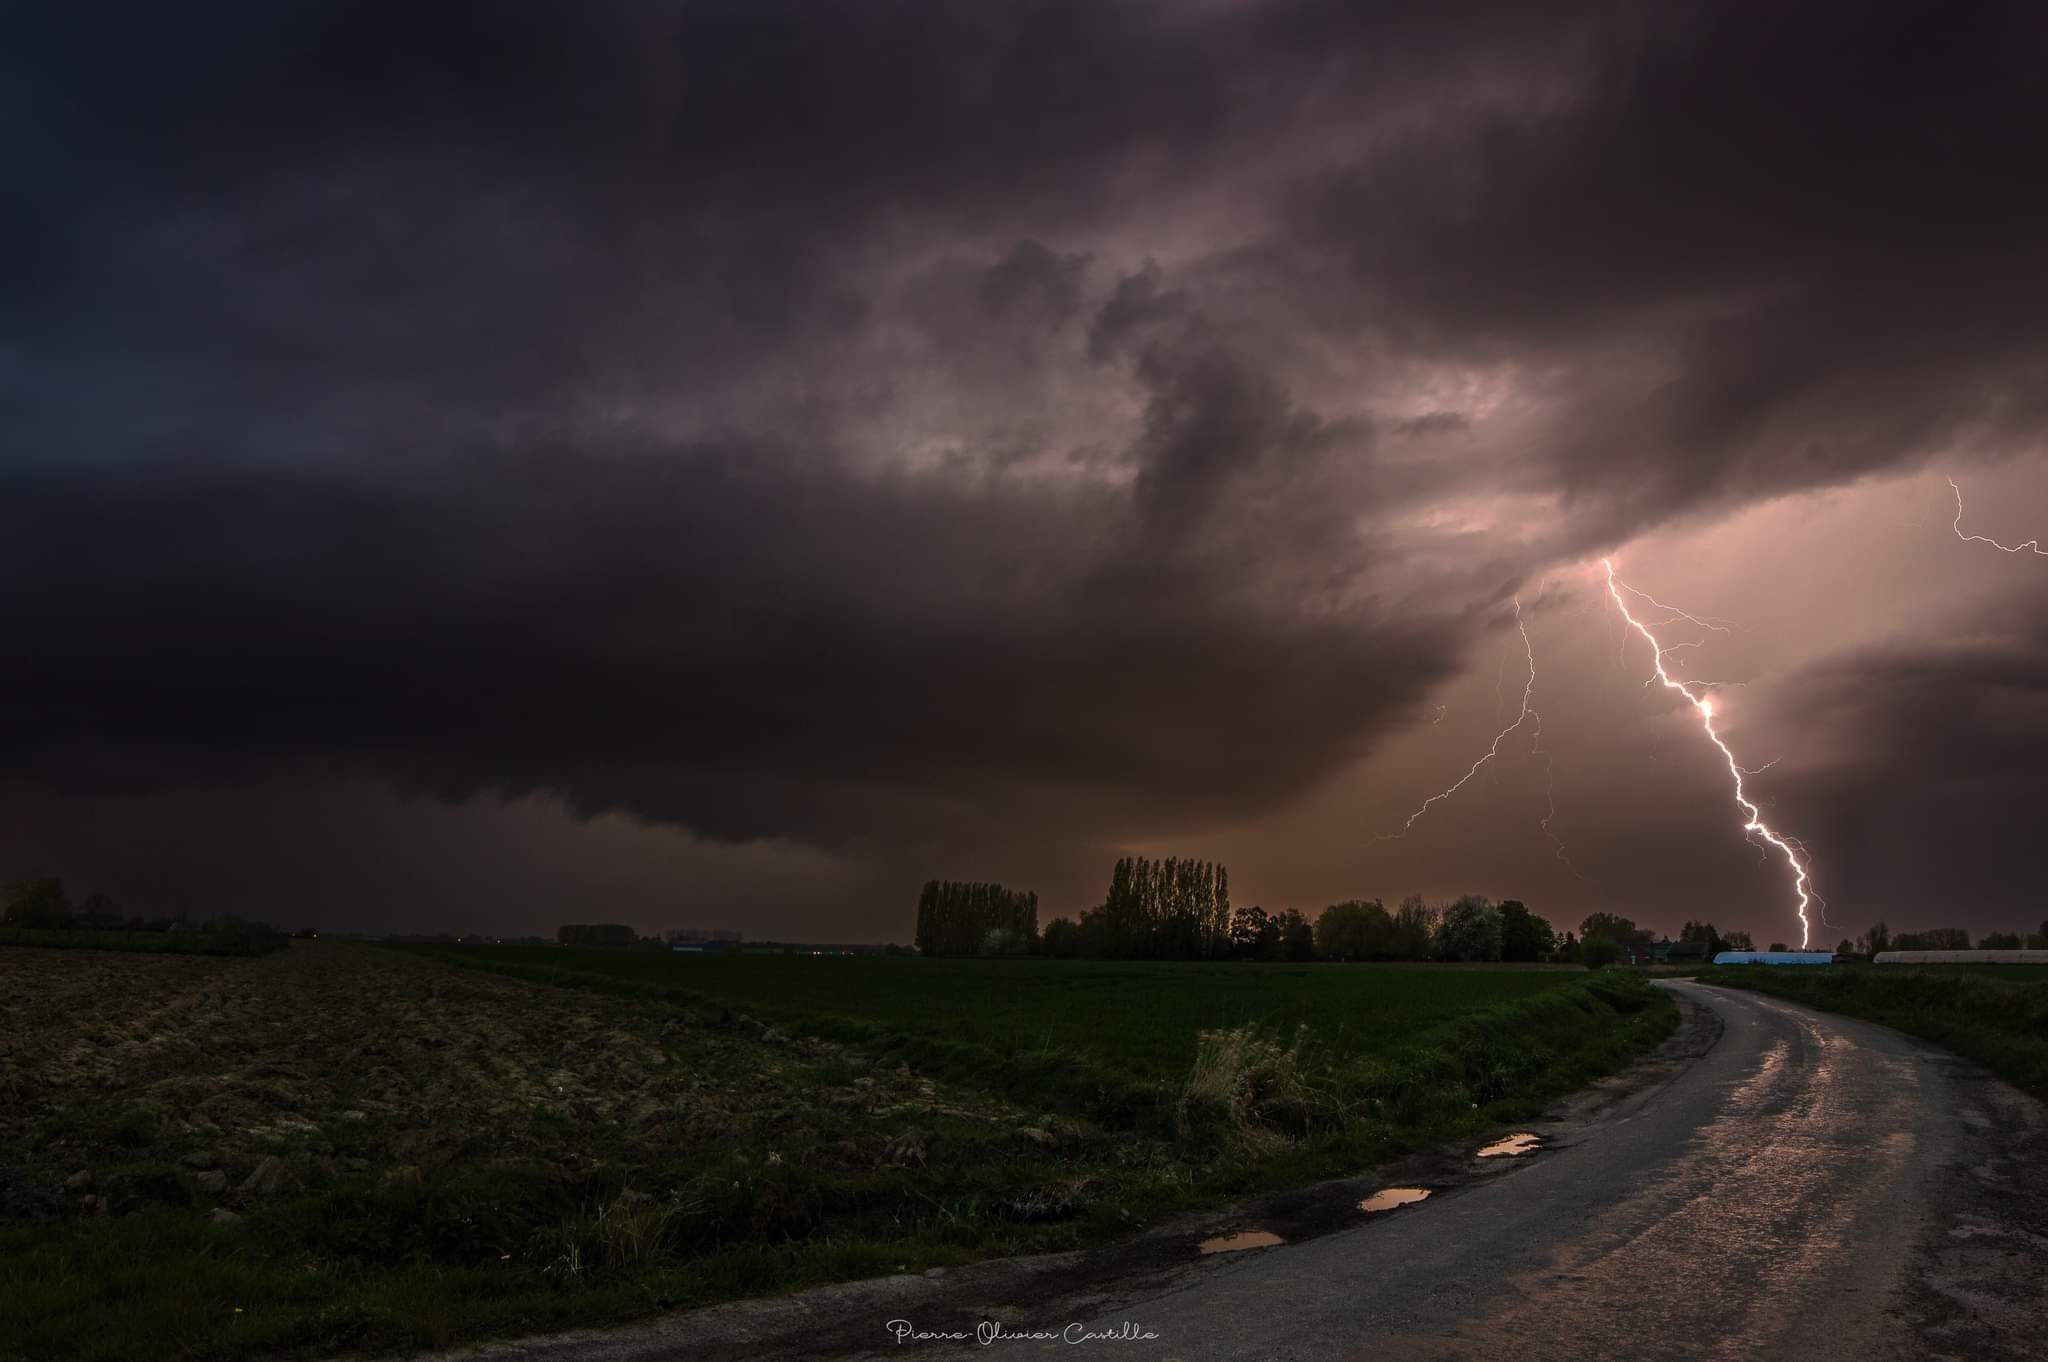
1811	1188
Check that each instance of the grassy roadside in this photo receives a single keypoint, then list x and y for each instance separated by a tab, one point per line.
1115	1041
697	1156
1995	1015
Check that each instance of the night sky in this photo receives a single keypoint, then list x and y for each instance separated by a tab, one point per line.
476	467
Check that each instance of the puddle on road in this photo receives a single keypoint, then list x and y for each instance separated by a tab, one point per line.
1513	1146
1387	1198
1243	1239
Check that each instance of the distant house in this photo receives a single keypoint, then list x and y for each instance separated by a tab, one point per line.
1686	953
713	947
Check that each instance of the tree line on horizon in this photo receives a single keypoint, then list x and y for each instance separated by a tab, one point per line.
39	912
1880	938
1472	927
1179	909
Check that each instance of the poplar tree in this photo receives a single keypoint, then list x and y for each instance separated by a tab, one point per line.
957	917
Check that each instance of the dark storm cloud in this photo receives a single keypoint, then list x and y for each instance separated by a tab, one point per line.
1033	276
691	174
724	642
1138	301
1927	804
889	421
1804	220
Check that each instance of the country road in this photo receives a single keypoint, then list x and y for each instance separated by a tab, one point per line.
1812	1187
1796	1185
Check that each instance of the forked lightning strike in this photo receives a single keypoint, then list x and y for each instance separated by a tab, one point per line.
1528	713
2031	546
1754	825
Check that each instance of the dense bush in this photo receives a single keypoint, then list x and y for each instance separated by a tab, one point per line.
1523	935
1470	930
1355	930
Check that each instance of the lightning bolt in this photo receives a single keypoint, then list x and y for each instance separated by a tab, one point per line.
1537	749
2031	546
1527	715
1753	825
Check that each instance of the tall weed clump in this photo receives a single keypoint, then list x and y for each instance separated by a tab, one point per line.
1251	1087
630	1232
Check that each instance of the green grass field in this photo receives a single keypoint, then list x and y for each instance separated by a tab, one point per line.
588	1136
1098	1034
1994	1014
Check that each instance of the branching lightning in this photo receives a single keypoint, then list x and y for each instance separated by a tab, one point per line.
1753	825
2031	546
1527	715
